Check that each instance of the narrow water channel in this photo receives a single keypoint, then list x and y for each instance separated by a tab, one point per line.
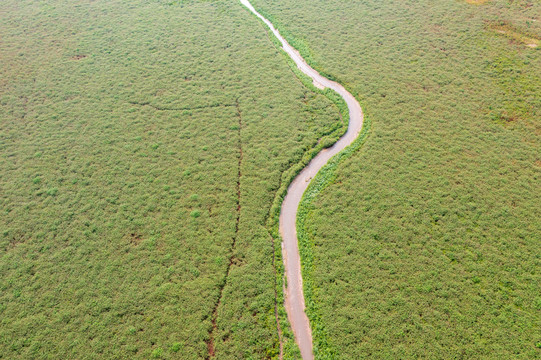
294	297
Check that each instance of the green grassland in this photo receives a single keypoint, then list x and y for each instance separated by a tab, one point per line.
142	145
425	243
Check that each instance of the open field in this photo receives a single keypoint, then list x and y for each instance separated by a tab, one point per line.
426	243
141	148
144	147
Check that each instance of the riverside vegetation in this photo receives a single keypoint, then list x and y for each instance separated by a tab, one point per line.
142	147
425	243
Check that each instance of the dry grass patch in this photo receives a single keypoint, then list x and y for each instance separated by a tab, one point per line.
477	2
516	35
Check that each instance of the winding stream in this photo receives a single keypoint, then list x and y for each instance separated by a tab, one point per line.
294	298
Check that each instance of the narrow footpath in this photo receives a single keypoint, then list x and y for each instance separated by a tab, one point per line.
294	297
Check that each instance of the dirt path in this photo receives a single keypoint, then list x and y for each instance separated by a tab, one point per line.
294	298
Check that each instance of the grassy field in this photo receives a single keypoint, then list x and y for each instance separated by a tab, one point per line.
426	242
142	145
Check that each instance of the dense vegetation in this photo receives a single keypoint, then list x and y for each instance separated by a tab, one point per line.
426	242
142	145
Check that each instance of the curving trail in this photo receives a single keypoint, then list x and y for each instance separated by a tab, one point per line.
294	298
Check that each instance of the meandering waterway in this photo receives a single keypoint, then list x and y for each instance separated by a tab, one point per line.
294	298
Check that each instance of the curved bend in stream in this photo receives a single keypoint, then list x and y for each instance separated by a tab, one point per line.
294	298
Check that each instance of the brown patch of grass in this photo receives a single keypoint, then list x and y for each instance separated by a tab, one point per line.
515	35
477	2
504	118
78	57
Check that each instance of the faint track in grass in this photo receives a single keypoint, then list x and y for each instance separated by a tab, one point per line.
184	108
211	343
294	297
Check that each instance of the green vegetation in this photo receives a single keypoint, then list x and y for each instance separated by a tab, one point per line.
145	149
425	243
143	145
